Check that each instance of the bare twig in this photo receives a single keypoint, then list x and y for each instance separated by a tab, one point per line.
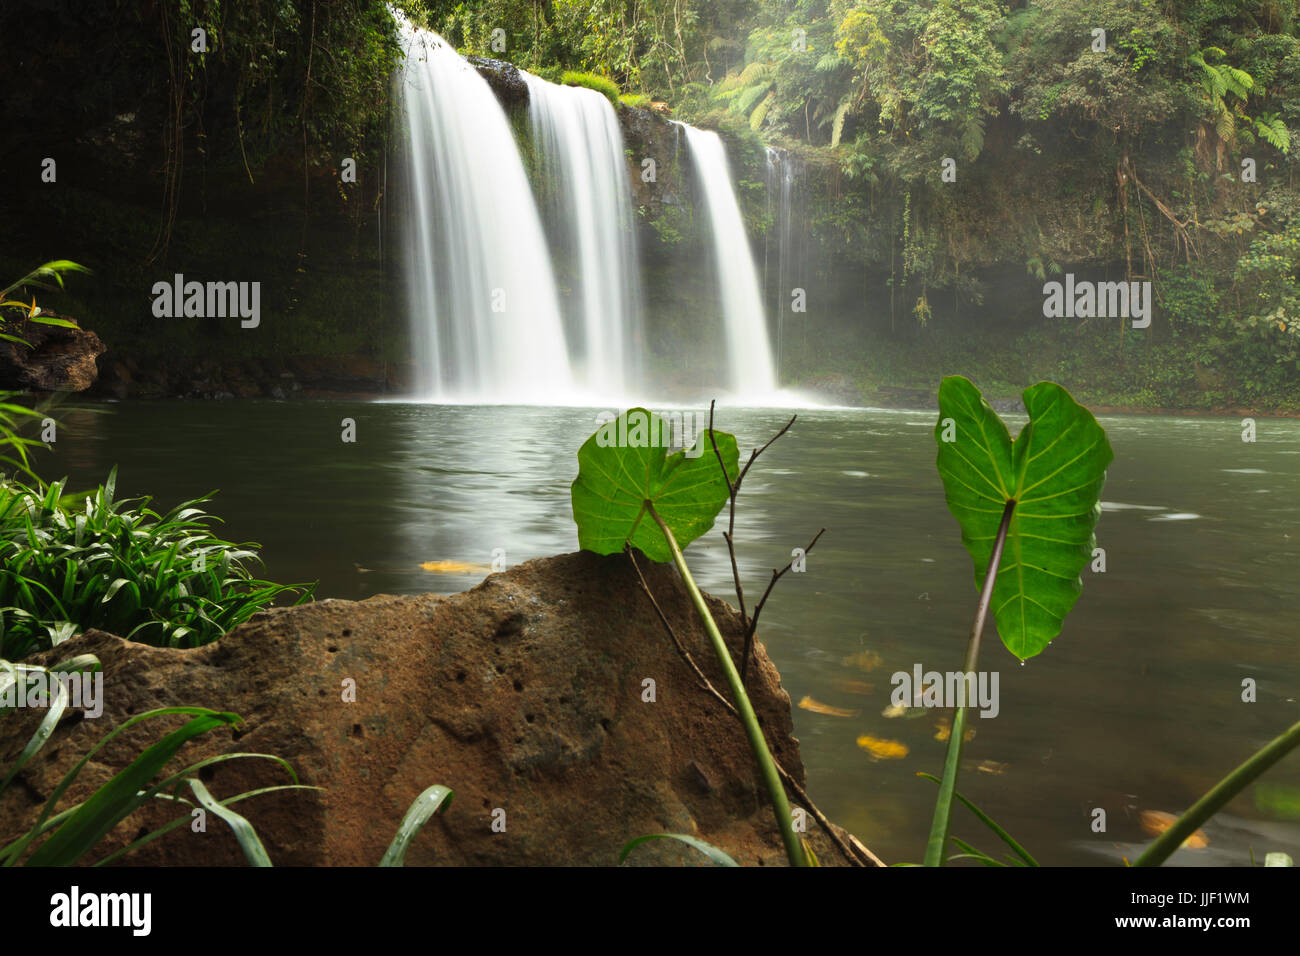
731	521
729	535
852	849
752	626
681	648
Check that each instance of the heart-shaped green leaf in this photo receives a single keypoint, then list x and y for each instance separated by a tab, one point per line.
625	464
1054	471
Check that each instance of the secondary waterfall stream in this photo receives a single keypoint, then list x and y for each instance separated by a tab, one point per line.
579	148
753	375
490	322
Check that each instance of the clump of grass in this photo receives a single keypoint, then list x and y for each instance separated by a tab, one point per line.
161	579
637	100
601	84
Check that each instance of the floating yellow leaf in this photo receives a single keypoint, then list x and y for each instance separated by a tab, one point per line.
1156	822
894	710
943	730
452	567
864	660
817	707
879	749
847	686
991	766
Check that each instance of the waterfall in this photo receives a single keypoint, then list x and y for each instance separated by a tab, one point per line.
785	174
588	205
485	316
753	376
489	323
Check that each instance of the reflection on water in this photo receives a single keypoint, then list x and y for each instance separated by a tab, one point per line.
1137	706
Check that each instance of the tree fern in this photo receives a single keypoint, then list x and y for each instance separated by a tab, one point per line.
1225	124
831	62
760	112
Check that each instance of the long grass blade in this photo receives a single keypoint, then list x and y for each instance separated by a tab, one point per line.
425	806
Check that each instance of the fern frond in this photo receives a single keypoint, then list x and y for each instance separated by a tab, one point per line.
754	72
749	97
837	128
972	136
1238	81
1273	131
760	112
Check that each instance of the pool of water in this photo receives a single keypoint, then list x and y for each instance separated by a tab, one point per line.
1136	706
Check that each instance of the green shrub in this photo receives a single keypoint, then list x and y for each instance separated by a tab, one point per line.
119	566
601	84
638	100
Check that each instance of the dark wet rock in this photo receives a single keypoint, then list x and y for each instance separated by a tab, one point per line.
505	79
56	359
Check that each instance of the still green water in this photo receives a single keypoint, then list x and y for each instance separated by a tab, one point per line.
1137	705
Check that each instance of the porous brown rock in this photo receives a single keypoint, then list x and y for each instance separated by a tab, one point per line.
525	694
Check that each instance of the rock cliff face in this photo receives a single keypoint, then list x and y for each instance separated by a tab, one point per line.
549	697
646	135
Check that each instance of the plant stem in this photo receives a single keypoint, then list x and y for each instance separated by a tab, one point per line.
951	765
1218	797
767	767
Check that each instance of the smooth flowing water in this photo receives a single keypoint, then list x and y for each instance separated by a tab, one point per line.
579	148
484	311
1136	706
488	317
753	373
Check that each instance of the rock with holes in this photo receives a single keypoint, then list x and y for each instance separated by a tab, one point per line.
549	698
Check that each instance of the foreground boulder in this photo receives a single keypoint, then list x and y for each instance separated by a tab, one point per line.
525	695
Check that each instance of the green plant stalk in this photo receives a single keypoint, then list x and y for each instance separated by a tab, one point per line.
1214	801
780	805
943	804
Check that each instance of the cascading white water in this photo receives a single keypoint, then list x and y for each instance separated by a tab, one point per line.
753	376
485	314
579	147
785	270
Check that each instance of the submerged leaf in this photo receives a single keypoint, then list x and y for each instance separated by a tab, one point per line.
1156	822
943	730
864	660
846	686
880	749
817	707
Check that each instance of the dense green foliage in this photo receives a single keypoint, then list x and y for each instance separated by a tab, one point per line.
592	81
1068	156
1117	162
161	579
